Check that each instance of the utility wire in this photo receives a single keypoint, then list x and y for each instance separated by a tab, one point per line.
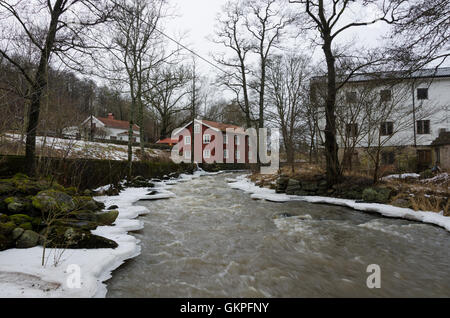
175	41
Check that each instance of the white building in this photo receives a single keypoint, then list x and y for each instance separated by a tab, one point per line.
105	128
392	110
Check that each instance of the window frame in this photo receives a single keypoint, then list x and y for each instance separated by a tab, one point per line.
385	98
238	155
420	129
187	140
424	90
185	154
387	128
206	153
196	128
206	140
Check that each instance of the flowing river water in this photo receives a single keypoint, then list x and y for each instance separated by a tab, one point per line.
213	241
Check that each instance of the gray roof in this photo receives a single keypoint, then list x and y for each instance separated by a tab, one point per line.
424	73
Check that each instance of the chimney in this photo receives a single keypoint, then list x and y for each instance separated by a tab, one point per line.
110	116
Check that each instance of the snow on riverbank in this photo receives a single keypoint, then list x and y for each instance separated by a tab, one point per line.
71	148
21	273
243	183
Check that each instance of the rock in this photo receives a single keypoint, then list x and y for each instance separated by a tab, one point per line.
5	242
4	218
81	224
293	186
7	228
281	184
107	218
85	203
53	201
6	188
69	237
28	239
16	233
113	207
83	215
26	226
87	193
100	205
20	219
310	186
18	205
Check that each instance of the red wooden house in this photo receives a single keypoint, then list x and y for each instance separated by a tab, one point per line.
235	142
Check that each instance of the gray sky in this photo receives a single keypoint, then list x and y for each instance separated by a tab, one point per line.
198	17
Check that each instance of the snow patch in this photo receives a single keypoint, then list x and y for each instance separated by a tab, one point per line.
243	183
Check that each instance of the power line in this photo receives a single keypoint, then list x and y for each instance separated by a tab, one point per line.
175	41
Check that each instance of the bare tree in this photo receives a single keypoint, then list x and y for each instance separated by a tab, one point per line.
420	33
288	92
136	33
230	35
166	96
329	19
68	21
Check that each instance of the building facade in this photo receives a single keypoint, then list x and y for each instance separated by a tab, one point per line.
234	146
398	113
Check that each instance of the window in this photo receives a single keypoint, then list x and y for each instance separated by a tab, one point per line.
225	153
206	139
385	95
238	155
187	154
423	127
422	93
238	140
351	130
388	158
387	128
187	140
351	97
196	128
250	155
225	139
206	154
113	138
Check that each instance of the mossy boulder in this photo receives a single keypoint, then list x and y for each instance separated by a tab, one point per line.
71	191
5	242
85	203
20	219
53	201
81	224
7	228
28	239
107	218
4	218
69	237
83	215
26	226
16	233
377	194
17	205
6	187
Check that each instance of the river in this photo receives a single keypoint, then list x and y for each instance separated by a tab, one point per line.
213	241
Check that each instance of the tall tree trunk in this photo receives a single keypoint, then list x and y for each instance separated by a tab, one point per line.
331	148
40	81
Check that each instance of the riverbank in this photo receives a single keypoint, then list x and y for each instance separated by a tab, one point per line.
21	273
260	193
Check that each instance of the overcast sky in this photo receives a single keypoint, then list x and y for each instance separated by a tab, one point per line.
198	17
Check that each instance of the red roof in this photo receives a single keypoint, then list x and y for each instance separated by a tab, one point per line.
220	126
114	123
167	141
